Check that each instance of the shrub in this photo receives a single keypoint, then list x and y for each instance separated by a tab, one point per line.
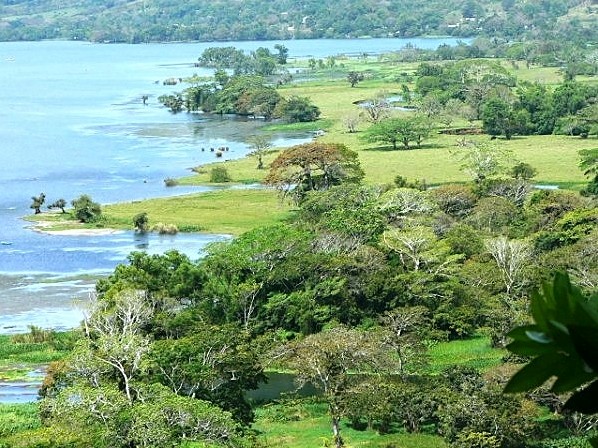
219	174
170	182
454	200
297	109
190	228
165	229
141	222
85	210
35	335
493	213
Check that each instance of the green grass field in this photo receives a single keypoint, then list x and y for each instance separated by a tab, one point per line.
15	418
308	426
555	157
436	162
476	353
227	211
18	359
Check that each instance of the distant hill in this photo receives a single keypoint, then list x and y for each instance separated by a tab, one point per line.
223	20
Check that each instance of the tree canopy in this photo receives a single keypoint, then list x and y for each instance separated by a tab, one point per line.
165	20
313	166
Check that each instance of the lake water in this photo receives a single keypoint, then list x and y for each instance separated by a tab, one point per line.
72	122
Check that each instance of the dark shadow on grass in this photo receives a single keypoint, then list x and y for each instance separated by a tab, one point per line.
389	148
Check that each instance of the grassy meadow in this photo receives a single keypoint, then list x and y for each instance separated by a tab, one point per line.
22	357
306	425
436	162
226	211
555	157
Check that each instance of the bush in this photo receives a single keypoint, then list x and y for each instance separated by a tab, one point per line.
85	210
165	229
35	335
297	109
454	200
464	239
219	175
170	182
141	222
493	214
191	228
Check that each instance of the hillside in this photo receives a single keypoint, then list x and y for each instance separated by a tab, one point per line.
169	20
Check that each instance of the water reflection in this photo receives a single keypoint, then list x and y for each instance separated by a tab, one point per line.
141	241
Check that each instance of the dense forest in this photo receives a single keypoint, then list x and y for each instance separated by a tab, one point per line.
169	20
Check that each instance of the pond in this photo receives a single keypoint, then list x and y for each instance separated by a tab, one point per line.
278	385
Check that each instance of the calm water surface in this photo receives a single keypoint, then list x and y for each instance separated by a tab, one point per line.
72	122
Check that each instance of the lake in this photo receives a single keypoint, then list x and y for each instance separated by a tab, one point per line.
72	122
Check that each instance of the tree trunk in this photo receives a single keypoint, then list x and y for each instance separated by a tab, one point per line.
336	432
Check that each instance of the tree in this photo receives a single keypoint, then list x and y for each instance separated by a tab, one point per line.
417	247
222	57
399	203
325	360
482	160
404	328
523	171
536	99
451	109
141	222
313	166
377	108
283	54
169	280
354	78
398	130
511	258
430	105
499	117
349	210
351	122
214	363
260	146
37	202
59	203
589	163
588	117
85	210
297	109
454	200
173	102
115	338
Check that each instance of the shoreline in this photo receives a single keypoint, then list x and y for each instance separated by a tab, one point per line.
45	227
81	232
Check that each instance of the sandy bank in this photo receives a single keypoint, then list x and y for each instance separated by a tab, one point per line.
82	232
46	227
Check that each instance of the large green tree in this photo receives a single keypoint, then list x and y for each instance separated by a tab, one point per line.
297	109
401	130
313	166
499	117
326	360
